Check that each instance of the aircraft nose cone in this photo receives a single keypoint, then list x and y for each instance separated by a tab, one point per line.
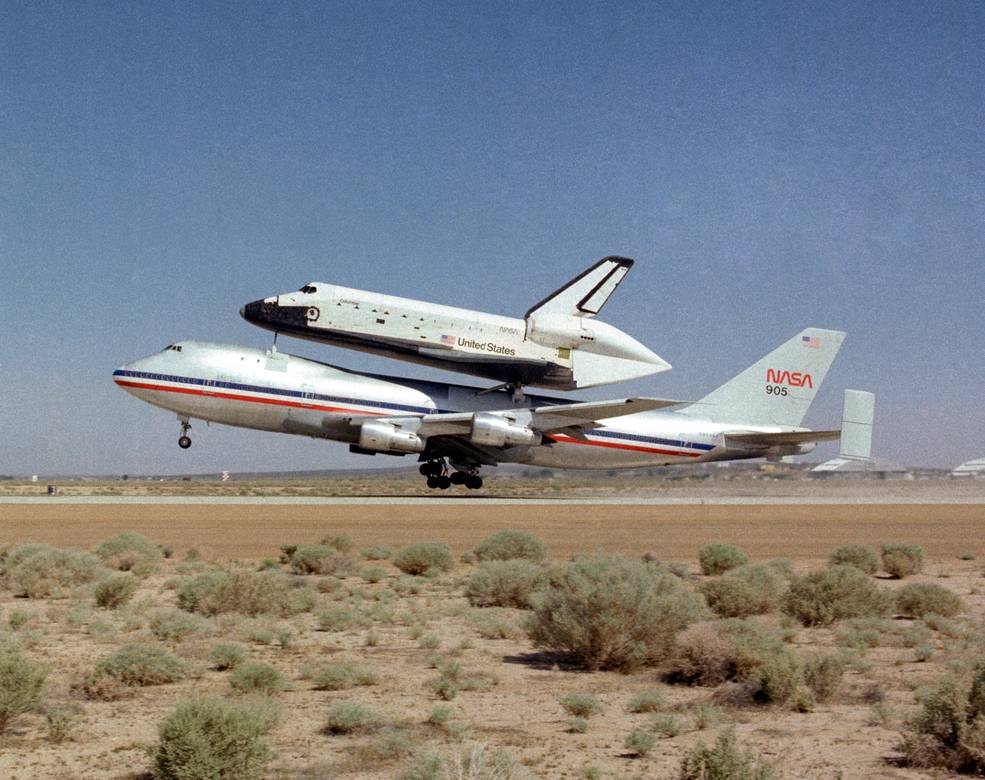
251	312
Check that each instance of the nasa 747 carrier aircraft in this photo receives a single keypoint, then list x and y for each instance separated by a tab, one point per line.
456	429
557	344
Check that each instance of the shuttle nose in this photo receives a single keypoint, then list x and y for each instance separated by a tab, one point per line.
251	312
270	314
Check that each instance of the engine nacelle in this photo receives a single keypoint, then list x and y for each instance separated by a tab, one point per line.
384	437
490	430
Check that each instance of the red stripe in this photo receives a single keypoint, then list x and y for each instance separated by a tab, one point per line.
248	398
635	448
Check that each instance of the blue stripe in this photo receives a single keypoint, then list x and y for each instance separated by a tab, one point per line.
610	434
190	380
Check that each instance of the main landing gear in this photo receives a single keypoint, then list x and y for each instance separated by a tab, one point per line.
185	441
440	477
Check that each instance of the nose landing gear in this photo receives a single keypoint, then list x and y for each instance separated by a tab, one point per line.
185	441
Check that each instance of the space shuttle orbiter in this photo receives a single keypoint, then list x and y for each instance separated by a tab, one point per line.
557	344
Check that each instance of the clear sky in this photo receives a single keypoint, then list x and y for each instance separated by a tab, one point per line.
769	166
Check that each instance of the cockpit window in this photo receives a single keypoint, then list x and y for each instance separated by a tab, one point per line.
308	288
172	348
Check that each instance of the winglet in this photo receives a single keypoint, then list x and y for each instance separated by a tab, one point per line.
586	294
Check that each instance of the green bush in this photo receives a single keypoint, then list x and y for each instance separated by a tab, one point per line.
115	592
424	558
823	673
246	592
718	558
640	742
211	739
723	761
900	560
227	655
335	618
916	599
347	717
139	665
131	551
743	591
819	598
504	583
340	676
582	705
861	556
340	542
256	678
736	650
21	683
377	552
507	545
647	701
949	729
42	571
611	613
321	559
174	625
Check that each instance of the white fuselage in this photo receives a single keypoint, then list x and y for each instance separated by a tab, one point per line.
549	350
273	391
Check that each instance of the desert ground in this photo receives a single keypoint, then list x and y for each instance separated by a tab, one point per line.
404	630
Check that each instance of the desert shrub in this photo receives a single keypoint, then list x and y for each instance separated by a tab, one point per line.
861	556
718	558
900	560
374	574
246	592
60	723
476	762
335	618
496	623
916	599
21	683
581	705
227	655
823	673
42	571
131	551
743	591
174	625
340	542
504	583
647	701
508	544
725	760
347	717
611	613
821	597
138	665
377	552
640	742
115	592
736	650
424	558
256	678
321	559
340	676
949	729
214	739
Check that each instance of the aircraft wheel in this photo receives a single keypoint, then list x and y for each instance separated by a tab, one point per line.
474	482
425	469
432	482
443	482
184	442
459	478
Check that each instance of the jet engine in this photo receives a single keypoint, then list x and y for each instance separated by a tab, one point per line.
490	430
384	437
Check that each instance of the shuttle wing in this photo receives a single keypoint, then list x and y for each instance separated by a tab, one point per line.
586	294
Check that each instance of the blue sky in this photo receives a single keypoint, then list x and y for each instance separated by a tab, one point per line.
769	166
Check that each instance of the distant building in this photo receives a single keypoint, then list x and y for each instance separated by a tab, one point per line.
863	468
971	468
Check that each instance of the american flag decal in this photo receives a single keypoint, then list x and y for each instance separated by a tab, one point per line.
449	340
811	341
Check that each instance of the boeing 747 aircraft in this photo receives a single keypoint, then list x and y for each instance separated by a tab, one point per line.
454	430
556	345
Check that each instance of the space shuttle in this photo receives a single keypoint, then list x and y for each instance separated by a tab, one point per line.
557	344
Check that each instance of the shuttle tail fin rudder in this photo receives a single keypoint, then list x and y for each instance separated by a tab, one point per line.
779	388
586	294
856	425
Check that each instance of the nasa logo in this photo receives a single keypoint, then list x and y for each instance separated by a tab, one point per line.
776	376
